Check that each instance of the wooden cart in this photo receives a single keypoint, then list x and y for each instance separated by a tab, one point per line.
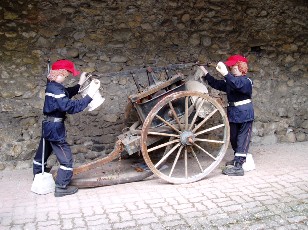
182	132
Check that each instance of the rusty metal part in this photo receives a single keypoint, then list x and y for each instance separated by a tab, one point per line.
131	141
170	67
83	182
100	181
190	140
111	156
136	83
107	181
210	64
207	64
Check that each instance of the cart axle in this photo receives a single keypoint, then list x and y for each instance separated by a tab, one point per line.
187	138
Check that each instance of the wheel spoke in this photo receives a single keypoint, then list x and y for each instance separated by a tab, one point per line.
203	150
175	115
163	145
210	129
186	113
190	110
186	164
167	155
195	156
160	129
193	132
196	114
164	134
175	160
204	120
167	123
169	146
208	140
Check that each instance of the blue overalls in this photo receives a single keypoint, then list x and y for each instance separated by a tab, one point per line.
57	103
240	111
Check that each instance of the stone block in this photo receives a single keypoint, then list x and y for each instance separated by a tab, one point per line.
269	139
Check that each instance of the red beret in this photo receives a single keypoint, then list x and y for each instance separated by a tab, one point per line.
65	64
232	60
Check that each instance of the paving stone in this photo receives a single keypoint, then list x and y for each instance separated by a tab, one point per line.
159	212
147	221
182	206
30	226
6	227
200	207
154	201
99	222
96	217
227	203
6	220
175	223
157	226
263	199
67	224
79	223
87	211
71	215
141	211
169	210
232	208
297	219
143	216
125	216
48	223
125	224
113	217
170	218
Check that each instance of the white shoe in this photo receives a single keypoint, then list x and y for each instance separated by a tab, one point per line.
249	165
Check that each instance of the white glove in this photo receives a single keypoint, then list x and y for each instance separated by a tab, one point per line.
82	78
204	70
221	68
93	88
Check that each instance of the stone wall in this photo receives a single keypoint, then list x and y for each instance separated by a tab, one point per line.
112	35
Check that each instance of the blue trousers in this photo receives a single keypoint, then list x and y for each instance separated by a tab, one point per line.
64	156
240	135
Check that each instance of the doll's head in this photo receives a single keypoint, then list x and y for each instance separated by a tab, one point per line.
238	65
61	69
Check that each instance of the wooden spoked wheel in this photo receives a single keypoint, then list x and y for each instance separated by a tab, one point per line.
194	132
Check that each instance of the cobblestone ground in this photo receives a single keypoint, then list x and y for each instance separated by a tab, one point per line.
274	196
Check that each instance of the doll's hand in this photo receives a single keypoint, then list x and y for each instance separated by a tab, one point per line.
222	69
204	70
82	78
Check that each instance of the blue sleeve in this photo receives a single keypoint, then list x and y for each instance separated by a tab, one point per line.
241	84
216	84
58	97
72	91
65	104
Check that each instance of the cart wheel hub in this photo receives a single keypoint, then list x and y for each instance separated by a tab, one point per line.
187	138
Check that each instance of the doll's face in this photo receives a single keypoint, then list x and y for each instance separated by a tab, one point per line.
235	71
61	78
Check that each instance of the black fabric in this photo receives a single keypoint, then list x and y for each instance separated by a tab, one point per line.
240	134
53	131
64	156
58	100
237	89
